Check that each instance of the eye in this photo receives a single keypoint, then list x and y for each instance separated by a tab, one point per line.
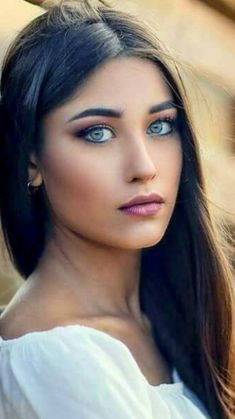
162	127
96	134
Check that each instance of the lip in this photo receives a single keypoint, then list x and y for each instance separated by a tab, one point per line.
143	199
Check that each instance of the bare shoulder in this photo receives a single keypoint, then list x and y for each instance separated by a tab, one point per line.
12	318
21	317
30	310
23	314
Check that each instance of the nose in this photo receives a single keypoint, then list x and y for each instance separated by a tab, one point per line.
140	164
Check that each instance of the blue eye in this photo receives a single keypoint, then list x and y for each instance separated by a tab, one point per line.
162	127
96	134
102	133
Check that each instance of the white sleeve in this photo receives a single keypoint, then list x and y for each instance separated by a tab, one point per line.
48	378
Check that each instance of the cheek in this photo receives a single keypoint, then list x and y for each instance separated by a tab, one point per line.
175	170
170	159
75	179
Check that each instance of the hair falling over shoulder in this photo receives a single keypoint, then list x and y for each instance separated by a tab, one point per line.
187	280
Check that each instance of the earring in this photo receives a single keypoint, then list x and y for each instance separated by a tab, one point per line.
32	189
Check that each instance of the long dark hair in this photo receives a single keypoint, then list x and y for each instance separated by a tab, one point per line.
186	279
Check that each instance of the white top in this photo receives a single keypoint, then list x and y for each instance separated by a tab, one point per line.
78	372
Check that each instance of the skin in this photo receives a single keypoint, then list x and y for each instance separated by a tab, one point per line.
95	250
90	268
91	265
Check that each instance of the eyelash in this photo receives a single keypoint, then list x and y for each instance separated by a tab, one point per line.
173	121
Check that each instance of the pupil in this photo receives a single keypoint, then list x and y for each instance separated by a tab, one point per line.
157	126
97	134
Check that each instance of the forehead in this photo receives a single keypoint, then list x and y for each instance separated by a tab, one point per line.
131	84
125	79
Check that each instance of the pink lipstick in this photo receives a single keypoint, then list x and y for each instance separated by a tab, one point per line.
143	205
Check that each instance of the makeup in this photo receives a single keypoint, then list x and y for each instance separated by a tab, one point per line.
145	210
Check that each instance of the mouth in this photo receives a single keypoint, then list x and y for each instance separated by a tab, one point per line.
147	209
143	200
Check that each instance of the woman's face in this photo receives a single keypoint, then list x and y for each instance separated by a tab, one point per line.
89	173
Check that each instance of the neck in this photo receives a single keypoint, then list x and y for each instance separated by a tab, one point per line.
89	277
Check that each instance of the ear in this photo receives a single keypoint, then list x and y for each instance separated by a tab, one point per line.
34	173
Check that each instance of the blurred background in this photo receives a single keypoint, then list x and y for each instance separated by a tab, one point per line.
200	34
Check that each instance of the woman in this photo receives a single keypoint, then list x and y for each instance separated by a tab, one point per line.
127	307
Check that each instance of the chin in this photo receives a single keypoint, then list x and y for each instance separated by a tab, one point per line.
142	242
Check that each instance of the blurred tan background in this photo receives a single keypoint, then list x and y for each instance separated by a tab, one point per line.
201	35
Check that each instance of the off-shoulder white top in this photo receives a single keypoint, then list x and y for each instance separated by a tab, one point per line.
78	372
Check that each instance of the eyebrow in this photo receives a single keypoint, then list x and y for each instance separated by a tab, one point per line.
115	113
